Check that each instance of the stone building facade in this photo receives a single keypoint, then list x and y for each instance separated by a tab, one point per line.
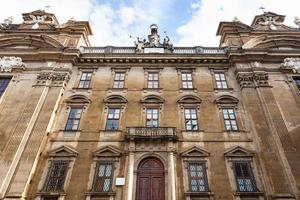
151	121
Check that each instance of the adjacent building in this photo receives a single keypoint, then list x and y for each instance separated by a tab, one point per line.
152	121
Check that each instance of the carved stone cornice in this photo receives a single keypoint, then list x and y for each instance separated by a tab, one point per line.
54	79
8	63
253	79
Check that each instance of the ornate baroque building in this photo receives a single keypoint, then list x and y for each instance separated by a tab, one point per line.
151	121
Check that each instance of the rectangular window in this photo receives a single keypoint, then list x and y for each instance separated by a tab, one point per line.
187	81
244	177
221	81
85	80
74	119
56	176
103	177
191	121
3	85
153	80
229	119
152	117
112	122
297	82
197	177
119	80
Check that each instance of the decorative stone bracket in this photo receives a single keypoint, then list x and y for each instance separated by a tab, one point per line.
8	63
291	64
54	79
253	79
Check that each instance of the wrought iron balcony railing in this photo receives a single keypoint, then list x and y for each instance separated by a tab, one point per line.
168	133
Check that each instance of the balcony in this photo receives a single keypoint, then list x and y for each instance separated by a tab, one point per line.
165	133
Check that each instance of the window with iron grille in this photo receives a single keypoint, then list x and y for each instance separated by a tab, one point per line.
112	122
85	80
197	177
244	177
297	82
191	121
74	119
152	117
103	177
56	176
187	81
221	80
3	85
119	80
229	119
153	80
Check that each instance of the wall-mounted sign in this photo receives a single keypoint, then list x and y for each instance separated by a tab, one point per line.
120	181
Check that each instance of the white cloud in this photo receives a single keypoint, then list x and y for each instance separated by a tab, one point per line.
202	27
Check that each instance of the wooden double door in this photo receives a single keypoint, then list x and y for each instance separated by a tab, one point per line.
150	180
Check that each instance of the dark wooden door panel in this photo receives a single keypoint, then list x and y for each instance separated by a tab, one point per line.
150	180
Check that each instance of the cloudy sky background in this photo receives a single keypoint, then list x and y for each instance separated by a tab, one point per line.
187	22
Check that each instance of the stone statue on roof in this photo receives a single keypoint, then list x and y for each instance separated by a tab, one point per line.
154	38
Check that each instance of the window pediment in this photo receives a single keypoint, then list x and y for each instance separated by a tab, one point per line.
195	151
153	99
189	100
63	151
115	99
78	99
108	151
238	152
227	99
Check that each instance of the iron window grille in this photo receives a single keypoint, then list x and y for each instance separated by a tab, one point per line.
197	177
152	117
153	80
56	176
230	119
191	120
103	177
187	81
112	122
297	82
244	177
119	80
221	81
3	85
85	80
73	119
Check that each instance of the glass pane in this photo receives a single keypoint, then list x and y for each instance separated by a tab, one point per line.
101	170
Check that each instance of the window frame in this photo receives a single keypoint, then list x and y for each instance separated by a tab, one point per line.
118	81
70	119
81	80
157	119
205	178
220	81
191	119
229	119
49	172
250	172
113	119
186	81
152	81
96	178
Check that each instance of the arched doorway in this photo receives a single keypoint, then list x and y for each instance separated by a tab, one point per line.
150	180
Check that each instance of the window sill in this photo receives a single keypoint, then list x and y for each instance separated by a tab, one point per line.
56	194
249	193
100	193
70	131
208	193
223	89
78	88
110	131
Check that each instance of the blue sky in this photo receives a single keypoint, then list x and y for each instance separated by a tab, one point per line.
187	22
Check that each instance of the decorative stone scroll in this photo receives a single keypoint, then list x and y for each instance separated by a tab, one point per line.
8	63
291	64
253	79
55	79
